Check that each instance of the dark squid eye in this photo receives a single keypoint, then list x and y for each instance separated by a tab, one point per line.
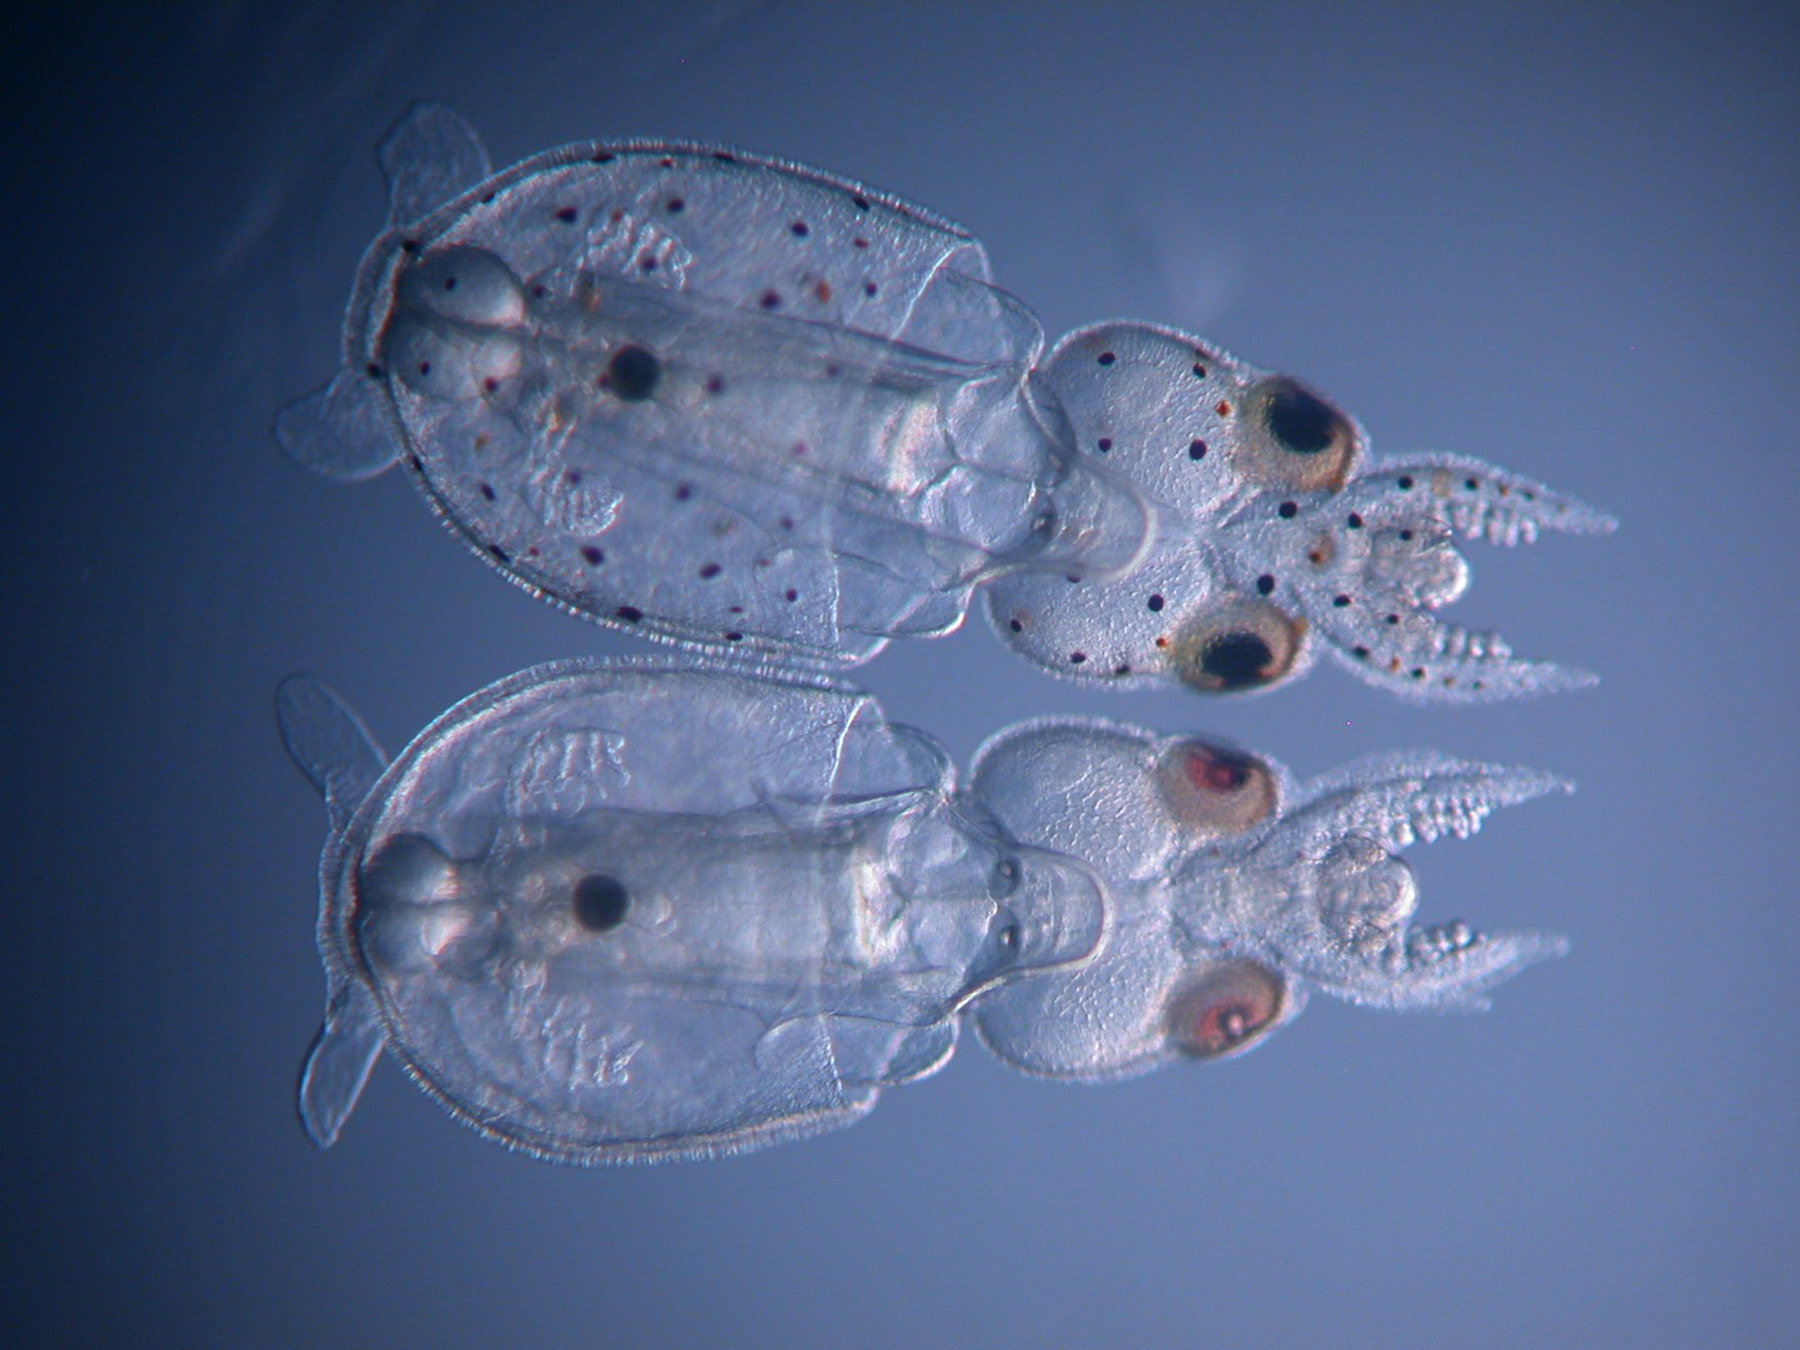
1211	790
1226	1010
1246	644
1307	443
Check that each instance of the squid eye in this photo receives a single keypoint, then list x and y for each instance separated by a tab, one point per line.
1305	442
1246	644
1211	790
1227	1010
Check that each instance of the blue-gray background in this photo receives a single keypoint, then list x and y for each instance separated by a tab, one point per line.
1561	238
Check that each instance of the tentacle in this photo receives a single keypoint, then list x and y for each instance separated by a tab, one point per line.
1475	499
1367	571
1409	652
1448	966
1398	798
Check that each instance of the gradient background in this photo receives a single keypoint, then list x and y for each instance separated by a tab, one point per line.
1563	239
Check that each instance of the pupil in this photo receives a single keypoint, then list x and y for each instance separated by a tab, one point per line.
600	902
1236	660
632	373
1217	770
1303	422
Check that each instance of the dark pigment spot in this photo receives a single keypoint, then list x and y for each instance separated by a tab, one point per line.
600	902
629	613
1264	584
633	373
566	215
593	555
1196	449
1154	603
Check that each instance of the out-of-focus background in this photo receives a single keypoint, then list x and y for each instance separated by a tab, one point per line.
1561	237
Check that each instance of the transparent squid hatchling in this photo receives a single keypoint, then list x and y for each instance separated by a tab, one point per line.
622	911
737	403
